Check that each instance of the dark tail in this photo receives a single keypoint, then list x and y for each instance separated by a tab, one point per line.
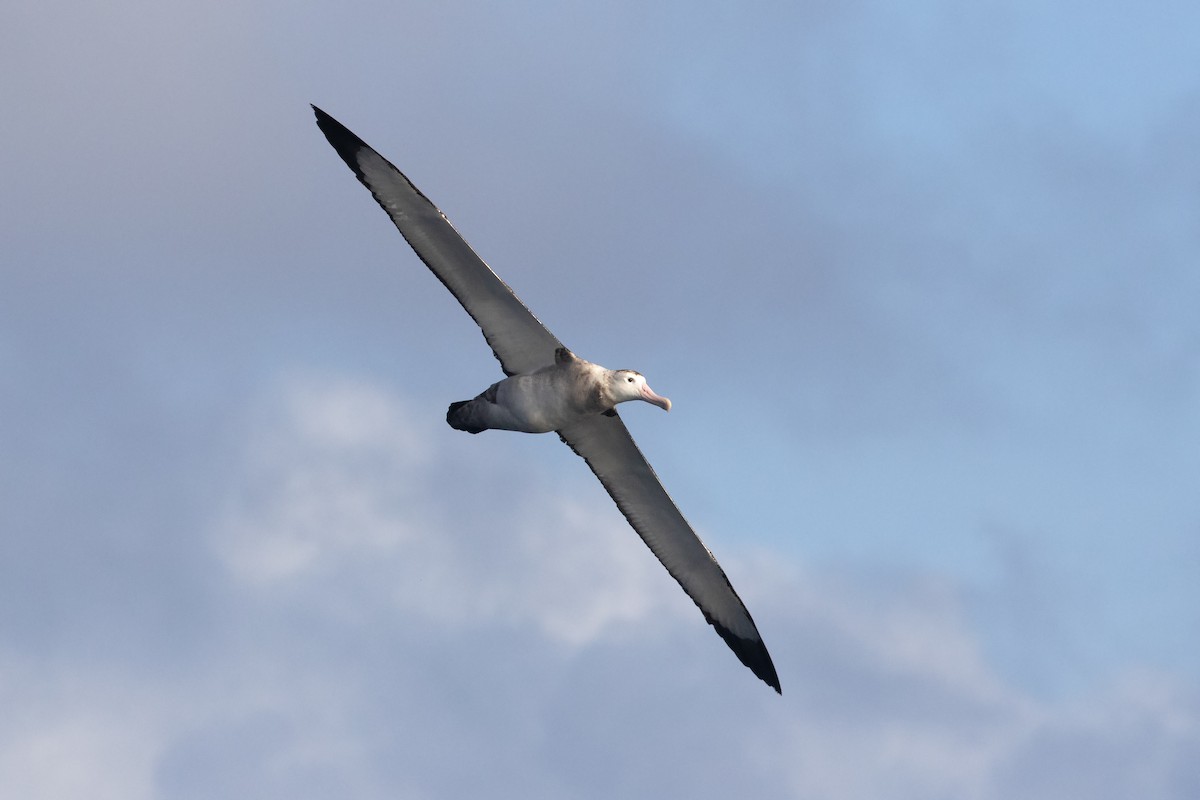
459	417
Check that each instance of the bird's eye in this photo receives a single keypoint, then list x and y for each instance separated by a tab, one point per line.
630	379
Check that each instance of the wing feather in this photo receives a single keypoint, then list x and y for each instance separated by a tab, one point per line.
520	342
605	444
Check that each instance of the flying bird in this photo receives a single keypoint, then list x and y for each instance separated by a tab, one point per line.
549	388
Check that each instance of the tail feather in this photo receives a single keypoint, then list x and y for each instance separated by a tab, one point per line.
460	418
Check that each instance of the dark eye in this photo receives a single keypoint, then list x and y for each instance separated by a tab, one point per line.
629	379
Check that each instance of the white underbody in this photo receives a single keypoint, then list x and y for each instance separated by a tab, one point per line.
546	400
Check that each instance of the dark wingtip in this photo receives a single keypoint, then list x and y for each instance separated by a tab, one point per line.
753	653
343	140
348	146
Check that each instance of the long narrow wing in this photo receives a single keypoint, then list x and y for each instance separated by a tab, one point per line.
522	344
605	444
519	340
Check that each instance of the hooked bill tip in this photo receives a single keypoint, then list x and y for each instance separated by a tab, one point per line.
650	396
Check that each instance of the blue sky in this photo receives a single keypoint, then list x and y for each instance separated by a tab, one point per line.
920	281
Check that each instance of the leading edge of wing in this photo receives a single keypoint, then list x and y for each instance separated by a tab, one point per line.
519	340
605	444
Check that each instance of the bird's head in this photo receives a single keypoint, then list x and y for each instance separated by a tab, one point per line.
630	385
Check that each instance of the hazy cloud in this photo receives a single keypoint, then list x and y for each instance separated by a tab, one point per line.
921	282
374	637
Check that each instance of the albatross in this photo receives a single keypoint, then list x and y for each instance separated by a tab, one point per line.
548	388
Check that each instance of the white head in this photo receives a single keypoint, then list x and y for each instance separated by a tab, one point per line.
630	385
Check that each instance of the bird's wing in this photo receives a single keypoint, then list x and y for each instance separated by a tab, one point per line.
523	344
519	340
605	444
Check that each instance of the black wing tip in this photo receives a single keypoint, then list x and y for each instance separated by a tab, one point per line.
752	653
348	145
342	138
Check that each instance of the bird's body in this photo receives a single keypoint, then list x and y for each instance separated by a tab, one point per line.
550	398
549	388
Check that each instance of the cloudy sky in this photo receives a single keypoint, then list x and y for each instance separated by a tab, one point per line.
920	278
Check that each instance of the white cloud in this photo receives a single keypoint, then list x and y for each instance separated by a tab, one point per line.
375	634
888	688
72	732
337	482
325	472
